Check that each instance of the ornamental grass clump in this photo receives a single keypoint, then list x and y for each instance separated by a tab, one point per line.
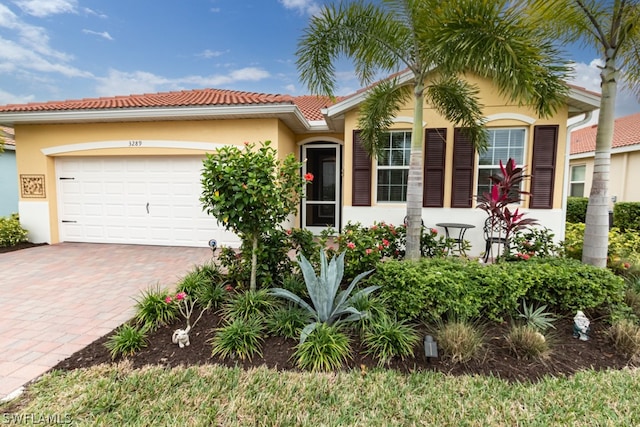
240	337
250	304
526	342
326	348
288	321
127	340
387	338
460	341
152	310
625	336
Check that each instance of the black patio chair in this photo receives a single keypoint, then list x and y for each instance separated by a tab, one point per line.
494	233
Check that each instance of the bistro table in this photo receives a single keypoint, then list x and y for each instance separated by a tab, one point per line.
462	230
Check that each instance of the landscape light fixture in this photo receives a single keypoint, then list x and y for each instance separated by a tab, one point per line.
430	347
213	244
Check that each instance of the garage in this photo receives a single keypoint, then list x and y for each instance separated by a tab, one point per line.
137	200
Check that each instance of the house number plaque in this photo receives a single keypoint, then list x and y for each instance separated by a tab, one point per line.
135	143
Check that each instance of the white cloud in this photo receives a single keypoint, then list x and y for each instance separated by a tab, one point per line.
211	53
309	7
16	57
43	8
103	34
290	88
588	77
10	98
125	83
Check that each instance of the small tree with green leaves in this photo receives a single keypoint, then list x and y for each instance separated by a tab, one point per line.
251	192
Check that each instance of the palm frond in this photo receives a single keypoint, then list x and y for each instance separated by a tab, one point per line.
457	101
366	33
377	112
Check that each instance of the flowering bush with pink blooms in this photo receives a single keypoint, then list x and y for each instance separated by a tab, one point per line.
185	305
366	246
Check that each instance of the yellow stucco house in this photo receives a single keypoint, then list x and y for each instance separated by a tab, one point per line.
624	172
127	169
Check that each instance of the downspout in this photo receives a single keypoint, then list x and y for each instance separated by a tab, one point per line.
565	180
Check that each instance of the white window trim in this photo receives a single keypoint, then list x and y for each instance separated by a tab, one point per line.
583	182
524	151
374	181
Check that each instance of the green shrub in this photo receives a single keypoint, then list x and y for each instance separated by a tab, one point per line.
152	309
241	338
126	340
429	288
250	304
432	288
288	321
568	285
577	209
386	338
626	216
535	241
526	342
460	341
11	232
624	247
325	349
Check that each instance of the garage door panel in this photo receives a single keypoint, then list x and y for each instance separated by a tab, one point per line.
105	200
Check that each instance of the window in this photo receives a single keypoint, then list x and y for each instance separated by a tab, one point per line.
576	188
393	167
503	144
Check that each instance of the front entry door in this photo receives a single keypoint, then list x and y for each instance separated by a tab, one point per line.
321	206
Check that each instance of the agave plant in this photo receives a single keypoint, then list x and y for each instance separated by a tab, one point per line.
537	318
328	305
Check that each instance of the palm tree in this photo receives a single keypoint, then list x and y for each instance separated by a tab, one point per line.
431	38
613	28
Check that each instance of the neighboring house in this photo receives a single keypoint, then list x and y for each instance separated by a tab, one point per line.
127	169
8	174
625	160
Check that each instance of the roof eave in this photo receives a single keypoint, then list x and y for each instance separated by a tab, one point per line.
288	113
582	101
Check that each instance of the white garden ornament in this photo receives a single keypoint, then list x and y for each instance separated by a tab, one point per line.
185	306
581	326
181	337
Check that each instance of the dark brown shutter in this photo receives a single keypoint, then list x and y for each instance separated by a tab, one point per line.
361	194
435	141
463	161
543	166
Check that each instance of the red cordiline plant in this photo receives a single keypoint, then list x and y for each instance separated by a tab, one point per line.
506	190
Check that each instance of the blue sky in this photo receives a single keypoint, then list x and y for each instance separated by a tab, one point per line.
71	49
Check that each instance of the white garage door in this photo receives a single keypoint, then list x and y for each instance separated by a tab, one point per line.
138	200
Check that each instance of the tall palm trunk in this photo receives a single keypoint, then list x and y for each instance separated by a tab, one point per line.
415	179
596	232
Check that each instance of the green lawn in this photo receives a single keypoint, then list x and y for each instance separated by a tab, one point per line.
214	395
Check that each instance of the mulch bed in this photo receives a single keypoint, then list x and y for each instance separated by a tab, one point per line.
19	246
568	354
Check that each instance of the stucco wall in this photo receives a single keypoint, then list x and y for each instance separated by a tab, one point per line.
8	182
624	174
41	144
500	112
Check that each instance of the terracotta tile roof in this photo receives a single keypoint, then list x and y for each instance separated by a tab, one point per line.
7	135
309	105
626	132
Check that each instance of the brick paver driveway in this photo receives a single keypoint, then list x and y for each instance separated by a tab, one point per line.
54	300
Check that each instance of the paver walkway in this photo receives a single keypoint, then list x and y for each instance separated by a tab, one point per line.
56	299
